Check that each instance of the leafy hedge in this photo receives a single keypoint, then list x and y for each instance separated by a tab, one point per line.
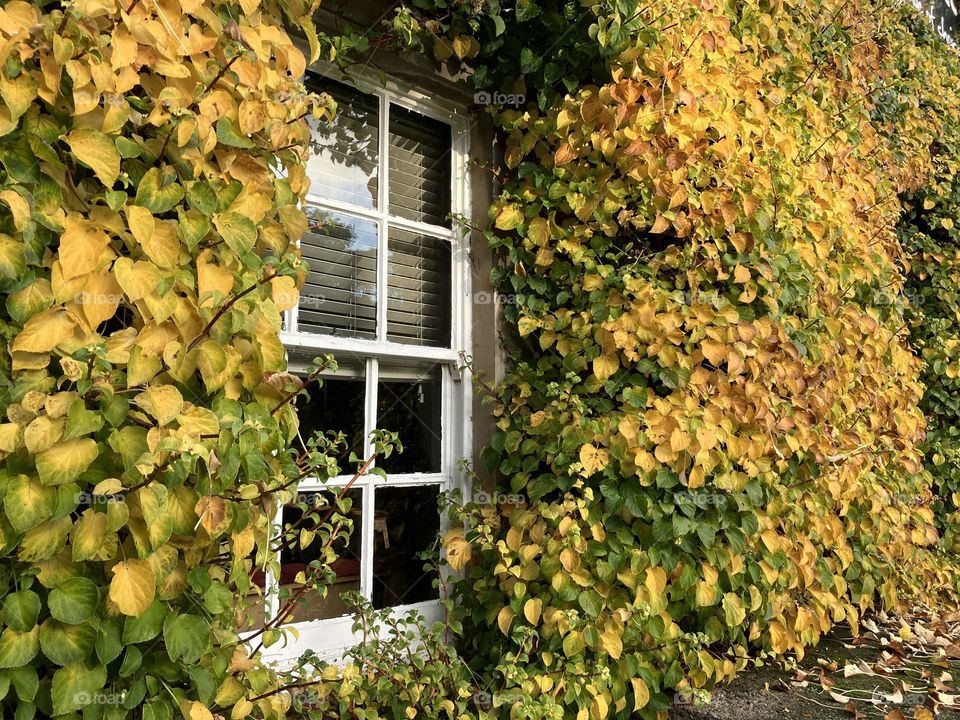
714	411
152	173
929	235
712	231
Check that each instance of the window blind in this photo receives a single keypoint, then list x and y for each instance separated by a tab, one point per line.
340	293
420	167
418	283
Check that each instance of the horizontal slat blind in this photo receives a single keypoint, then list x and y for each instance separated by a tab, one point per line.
420	167
418	289
344	161
340	294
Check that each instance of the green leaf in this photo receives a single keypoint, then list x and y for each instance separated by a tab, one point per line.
237	231
18	648
25	682
75	686
64	644
27	503
157	194
186	637
227	135
81	421
147	626
21	609
74	601
108	644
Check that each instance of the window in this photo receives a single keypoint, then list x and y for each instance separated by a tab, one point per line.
387	295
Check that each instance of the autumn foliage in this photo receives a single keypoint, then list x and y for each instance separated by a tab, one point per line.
714	409
152	174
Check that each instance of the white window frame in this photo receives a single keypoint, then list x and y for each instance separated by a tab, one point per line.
330	638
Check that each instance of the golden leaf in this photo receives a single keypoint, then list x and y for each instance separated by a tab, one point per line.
81	246
132	588
593	459
98	152
605	366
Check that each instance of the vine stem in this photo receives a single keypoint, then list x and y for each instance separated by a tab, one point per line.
225	308
288	607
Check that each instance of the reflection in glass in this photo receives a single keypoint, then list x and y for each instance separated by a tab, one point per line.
336	405
346	567
420	167
418	282
340	294
411	405
343	165
406	523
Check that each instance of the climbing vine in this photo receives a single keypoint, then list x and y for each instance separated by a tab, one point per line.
727	231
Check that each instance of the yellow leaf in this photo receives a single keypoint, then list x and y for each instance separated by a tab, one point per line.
193	710
593	459
212	511
66	460
19	208
81	245
661	224
532	609
509	217
505	618
641	695
605	365
612	644
656	581
164	402
132	588
459	551
283	292
714	351
215	283
98	152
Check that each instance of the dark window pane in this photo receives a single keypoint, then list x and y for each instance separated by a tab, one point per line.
295	560
336	405
340	294
344	163
418	283
412	408
420	167
406	523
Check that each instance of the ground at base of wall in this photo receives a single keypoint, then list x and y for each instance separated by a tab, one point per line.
899	668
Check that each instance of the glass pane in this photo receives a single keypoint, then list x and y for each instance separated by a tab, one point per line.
336	405
340	294
420	167
295	560
418	306
411	405
406	523
344	161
